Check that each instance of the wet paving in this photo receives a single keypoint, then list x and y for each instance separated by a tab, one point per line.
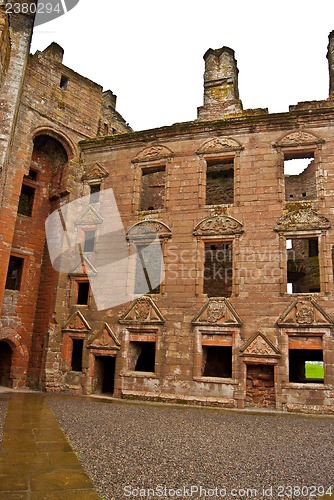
36	460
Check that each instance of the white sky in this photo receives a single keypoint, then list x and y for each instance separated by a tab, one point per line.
150	53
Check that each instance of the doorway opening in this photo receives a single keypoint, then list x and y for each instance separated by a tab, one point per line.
105	374
5	364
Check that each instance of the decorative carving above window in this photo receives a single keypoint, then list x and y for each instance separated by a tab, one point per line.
304	313
105	339
303	219
84	267
97	172
260	346
218	225
153	153
89	216
217	311
142	310
77	323
299	138
149	228
219	145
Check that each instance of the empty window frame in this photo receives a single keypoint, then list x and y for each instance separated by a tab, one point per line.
89	242
220	181
217	361
94	192
14	273
300	176
218	268
306	366
142	356
82	293
63	82
153	188
303	269
26	200
149	268
77	351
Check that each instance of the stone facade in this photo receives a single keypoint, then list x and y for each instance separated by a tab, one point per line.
228	325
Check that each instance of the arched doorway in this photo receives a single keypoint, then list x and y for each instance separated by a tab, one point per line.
5	364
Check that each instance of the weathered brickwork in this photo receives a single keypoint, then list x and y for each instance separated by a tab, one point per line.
246	303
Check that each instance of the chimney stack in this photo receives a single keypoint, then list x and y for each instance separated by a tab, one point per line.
330	57
221	93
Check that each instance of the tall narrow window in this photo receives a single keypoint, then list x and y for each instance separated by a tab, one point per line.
63	82
26	201
77	351
220	181
83	293
300	177
95	192
303	271
218	269
89	242
149	269
153	188
14	273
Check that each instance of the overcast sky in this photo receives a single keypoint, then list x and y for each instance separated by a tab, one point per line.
150	52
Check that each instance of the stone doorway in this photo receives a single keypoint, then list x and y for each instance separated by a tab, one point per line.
260	386
104	374
5	364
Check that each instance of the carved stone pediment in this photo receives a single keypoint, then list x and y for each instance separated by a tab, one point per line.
89	216
142	310
97	172
153	153
260	346
77	323
149	228
298	138
84	267
217	311
303	219
304	313
218	225
105	339
219	145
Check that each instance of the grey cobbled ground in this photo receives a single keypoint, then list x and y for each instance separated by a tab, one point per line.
150	451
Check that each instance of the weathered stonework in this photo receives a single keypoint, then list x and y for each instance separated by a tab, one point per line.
223	328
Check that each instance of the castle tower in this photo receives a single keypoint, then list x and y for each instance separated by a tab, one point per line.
221	93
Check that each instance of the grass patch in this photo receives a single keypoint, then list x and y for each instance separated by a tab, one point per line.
314	369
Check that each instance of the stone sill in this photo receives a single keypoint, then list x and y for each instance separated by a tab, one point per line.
216	380
139	374
292	385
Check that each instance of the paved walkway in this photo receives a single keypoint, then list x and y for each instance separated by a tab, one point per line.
36	460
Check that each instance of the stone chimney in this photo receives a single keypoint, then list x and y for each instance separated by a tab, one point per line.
221	93
330	57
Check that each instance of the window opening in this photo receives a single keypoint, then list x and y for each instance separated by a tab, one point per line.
306	366
142	356
89	241
220	181
83	293
218	269
26	200
14	273
77	351
217	361
149	269
32	175
303	270
95	193
153	189
300	177
63	82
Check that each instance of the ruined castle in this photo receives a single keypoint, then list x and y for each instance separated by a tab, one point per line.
245	306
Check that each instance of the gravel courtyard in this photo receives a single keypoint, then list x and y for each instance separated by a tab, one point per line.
128	449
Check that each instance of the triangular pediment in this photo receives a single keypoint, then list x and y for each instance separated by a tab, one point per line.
77	323
218	225
260	346
299	138
153	153
142	310
304	313
217	311
105	339
89	216
84	267
219	145
97	172
303	219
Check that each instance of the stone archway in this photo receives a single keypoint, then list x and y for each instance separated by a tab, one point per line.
5	364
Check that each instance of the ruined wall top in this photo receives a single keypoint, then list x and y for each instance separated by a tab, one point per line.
330	57
221	93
